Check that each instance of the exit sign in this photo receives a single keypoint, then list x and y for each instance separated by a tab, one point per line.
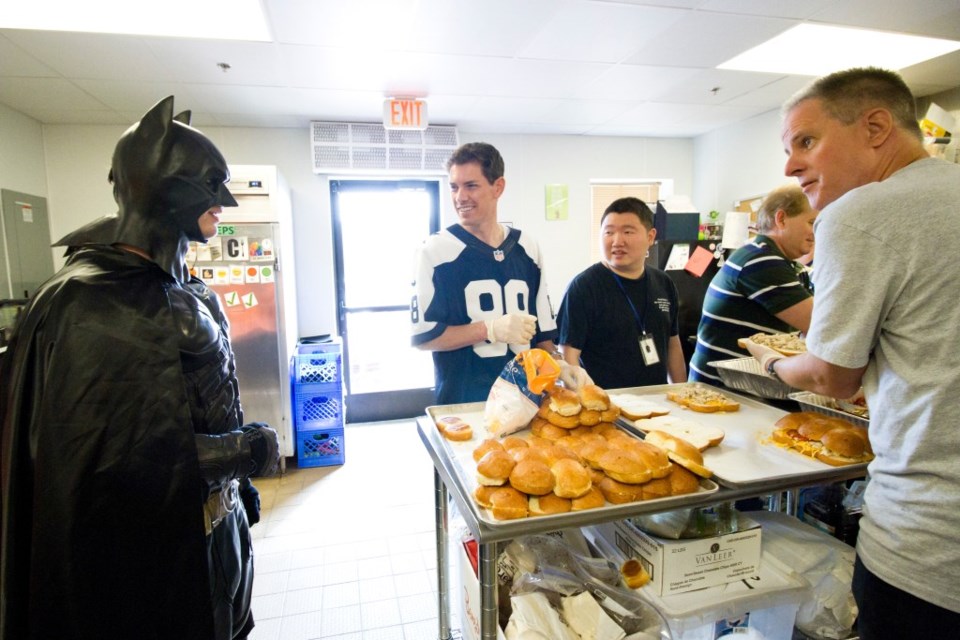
404	113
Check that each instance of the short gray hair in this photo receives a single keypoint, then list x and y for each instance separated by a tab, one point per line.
847	94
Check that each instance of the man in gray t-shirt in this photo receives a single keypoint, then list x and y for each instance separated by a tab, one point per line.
887	318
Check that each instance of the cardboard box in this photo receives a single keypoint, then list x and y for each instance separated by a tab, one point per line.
677	566
763	606
468	593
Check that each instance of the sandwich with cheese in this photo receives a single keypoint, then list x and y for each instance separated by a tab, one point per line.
828	439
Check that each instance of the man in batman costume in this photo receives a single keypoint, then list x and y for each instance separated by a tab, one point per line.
124	458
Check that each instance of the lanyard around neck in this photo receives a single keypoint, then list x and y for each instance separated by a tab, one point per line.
636	315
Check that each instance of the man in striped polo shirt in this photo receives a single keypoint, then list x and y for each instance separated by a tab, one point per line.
761	287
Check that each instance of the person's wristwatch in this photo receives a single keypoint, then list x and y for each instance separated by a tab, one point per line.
770	369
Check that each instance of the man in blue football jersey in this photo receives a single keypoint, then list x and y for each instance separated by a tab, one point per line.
479	293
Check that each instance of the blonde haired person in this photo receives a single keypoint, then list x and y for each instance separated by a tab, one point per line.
761	287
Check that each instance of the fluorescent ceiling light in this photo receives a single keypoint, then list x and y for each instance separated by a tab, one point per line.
208	19
815	50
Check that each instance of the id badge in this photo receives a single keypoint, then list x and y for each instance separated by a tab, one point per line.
648	350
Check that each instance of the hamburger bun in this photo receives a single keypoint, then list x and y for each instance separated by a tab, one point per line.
564	402
625	468
680	451
610	415
548	505
699	435
592	451
564	422
482	495
619	493
555	452
682	481
506	503
589	417
487	445
571	479
454	428
593	397
532	477
654	458
494	468
844	445
529	453
592	499
657	488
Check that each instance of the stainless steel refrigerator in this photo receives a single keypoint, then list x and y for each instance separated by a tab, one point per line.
250	265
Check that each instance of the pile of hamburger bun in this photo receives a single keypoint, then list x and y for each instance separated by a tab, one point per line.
575	458
826	438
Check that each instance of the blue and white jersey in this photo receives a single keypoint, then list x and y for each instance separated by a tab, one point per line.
460	280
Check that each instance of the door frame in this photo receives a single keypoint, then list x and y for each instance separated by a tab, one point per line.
383	405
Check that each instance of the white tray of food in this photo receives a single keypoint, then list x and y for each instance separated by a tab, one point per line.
461	453
746	456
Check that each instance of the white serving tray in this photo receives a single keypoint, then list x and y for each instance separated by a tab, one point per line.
745	457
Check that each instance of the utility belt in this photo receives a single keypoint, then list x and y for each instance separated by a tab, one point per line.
220	504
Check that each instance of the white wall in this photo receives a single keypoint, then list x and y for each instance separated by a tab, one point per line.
739	161
21	153
78	159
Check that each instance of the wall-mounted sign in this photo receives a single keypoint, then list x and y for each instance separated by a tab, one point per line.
404	113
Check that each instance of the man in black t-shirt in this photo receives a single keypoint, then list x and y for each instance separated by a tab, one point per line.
618	318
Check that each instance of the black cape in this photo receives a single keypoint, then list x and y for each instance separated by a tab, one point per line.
101	512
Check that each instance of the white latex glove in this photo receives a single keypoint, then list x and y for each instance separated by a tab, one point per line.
764	355
572	376
512	328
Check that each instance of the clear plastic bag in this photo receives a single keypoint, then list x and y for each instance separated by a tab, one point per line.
516	394
545	564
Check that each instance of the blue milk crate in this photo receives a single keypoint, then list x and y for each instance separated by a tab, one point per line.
322	448
318	406
315	368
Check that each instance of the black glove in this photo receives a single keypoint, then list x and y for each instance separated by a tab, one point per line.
264	448
251	501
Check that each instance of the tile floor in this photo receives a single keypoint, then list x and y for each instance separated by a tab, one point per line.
349	552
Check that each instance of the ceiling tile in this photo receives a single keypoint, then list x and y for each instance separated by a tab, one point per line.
29	94
715	86
937	18
634	82
80	116
706	39
598	31
93	55
14	61
251	63
134	95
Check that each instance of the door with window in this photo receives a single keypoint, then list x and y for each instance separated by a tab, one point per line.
378	226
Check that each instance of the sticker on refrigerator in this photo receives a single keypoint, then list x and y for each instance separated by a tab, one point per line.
231	299
235	248
249	300
206	274
253	274
267	274
221	275
236	274
211	251
191	256
261	249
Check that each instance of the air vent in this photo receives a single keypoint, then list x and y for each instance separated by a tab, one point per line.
343	147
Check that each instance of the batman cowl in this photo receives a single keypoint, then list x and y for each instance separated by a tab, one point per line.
165	175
